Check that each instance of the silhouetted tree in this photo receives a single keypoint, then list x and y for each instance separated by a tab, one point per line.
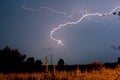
61	62
30	64
118	60
38	65
38	62
11	59
30	61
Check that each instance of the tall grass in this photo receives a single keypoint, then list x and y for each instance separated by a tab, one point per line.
102	74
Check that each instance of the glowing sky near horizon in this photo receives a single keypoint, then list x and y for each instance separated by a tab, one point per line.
26	25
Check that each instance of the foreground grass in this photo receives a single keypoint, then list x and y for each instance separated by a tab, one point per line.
103	74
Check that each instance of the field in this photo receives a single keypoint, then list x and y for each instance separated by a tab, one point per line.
102	74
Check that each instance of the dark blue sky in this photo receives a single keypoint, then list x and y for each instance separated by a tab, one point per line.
88	41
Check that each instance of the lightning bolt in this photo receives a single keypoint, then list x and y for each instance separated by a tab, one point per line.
47	8
78	21
84	15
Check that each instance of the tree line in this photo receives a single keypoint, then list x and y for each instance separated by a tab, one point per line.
11	60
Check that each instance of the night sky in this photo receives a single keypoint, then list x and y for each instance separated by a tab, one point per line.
25	26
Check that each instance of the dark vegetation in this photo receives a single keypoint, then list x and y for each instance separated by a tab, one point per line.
11	60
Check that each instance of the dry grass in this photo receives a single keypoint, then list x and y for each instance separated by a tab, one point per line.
103	74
